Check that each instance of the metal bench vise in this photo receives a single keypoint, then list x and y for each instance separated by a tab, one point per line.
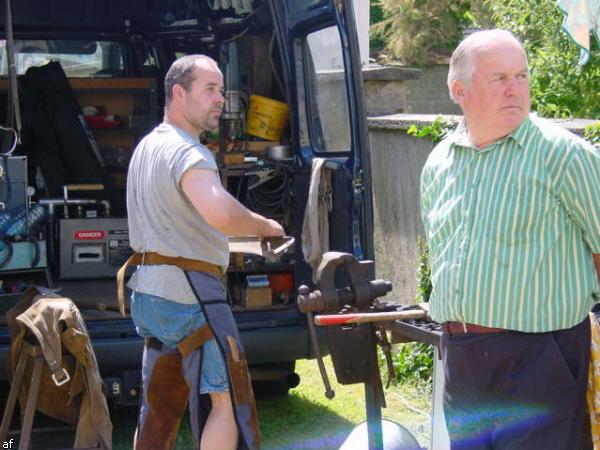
345	284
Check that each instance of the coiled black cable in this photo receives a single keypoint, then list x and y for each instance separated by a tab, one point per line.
271	197
9	254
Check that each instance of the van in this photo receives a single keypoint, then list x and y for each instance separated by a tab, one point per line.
90	77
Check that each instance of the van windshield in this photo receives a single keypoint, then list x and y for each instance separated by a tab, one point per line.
78	58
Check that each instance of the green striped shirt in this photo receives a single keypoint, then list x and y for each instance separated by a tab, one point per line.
512	228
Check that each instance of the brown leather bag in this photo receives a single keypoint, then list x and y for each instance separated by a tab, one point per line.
55	324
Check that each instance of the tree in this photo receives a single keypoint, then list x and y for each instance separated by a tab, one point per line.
424	31
427	31
559	88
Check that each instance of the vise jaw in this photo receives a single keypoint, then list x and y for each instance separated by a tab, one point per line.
342	281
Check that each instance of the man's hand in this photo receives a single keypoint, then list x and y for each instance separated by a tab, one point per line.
271	229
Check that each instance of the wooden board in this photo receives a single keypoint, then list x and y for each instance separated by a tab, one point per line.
117	103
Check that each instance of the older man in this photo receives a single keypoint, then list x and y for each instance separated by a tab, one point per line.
179	220
511	210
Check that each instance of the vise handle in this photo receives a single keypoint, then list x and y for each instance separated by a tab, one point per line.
345	319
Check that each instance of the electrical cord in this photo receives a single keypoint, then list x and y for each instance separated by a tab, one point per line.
245	104
237	36
35	259
272	63
272	196
14	143
246	20
9	255
410	407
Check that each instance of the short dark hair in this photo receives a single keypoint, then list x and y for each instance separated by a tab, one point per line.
181	72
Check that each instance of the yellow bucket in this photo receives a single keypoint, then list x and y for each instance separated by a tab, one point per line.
267	118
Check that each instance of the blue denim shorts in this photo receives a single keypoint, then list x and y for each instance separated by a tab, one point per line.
170	322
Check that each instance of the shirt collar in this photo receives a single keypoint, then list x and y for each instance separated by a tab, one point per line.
180	131
519	134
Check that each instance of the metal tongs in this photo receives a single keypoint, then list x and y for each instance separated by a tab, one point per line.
271	248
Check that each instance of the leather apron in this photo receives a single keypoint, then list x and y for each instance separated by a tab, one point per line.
220	320
171	376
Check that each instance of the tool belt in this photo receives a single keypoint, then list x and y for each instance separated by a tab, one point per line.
155	259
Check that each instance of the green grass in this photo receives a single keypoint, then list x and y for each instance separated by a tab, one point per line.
305	419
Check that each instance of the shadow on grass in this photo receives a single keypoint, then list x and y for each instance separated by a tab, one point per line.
124	420
287	423
295	422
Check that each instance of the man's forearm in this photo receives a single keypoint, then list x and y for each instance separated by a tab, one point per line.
241	221
218	207
234	219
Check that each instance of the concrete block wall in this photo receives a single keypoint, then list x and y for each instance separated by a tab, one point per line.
395	89
429	94
385	89
396	162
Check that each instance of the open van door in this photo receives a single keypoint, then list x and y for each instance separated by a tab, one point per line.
321	60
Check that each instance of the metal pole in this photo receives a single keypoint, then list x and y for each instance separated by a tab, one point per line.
373	397
12	74
374	430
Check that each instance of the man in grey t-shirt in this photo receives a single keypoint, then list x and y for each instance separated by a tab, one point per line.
177	207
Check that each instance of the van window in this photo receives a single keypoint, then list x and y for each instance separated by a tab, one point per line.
329	120
77	58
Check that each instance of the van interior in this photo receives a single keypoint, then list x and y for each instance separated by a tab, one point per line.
81	84
90	88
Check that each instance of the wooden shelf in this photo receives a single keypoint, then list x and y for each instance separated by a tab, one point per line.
102	83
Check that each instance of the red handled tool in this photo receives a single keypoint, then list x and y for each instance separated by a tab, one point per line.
344	319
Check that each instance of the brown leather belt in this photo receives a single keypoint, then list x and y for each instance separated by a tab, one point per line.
463	328
154	259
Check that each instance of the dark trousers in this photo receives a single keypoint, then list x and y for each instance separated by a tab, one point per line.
517	391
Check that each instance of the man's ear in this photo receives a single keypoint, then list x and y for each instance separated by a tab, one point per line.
178	91
458	90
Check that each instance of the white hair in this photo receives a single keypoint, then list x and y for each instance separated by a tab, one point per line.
462	65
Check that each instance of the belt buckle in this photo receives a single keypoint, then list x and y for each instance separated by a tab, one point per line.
64	374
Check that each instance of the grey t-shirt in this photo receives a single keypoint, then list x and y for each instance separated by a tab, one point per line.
162	219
